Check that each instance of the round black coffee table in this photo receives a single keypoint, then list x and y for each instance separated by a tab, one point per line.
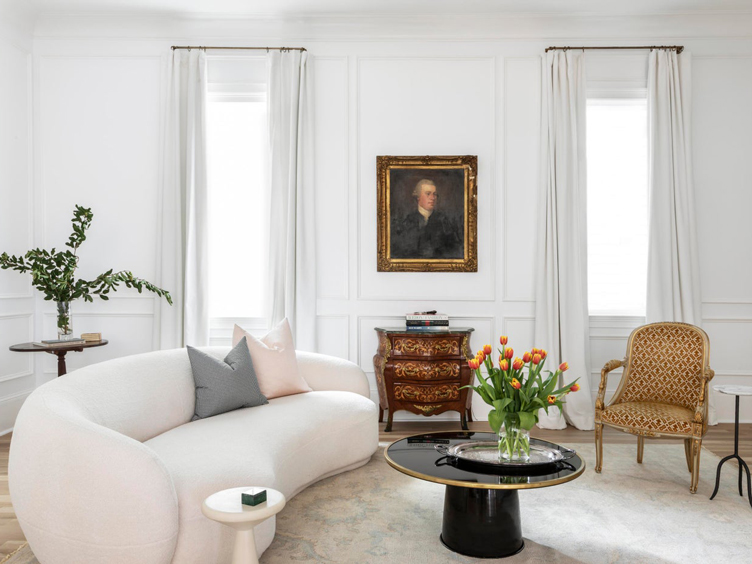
481	510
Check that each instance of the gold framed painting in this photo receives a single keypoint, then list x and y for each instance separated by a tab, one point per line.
427	214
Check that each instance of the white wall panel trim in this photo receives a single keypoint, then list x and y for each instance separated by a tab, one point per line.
346	172
504	189
40	152
30	167
16	375
346	317
504	327
12	397
492	182
75	314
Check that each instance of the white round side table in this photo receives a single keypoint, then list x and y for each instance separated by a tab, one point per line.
226	508
735	391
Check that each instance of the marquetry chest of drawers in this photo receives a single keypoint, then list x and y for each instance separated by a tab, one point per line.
423	372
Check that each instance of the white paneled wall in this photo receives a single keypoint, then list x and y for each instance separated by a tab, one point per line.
99	106
16	220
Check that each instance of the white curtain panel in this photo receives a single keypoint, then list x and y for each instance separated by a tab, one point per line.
183	259
673	292
561	310
292	251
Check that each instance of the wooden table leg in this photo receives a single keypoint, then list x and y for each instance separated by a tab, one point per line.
61	363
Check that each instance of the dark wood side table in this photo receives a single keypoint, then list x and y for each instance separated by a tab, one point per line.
60	351
422	372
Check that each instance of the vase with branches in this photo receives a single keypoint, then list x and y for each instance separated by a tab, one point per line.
53	274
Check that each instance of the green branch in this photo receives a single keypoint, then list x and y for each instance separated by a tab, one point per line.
52	272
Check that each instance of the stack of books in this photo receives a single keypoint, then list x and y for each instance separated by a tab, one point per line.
52	343
427	321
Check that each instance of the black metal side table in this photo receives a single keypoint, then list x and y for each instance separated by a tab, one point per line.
735	391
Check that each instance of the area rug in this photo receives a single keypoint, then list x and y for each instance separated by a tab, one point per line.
631	513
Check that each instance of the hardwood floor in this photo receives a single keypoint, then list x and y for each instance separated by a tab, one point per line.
719	440
11	536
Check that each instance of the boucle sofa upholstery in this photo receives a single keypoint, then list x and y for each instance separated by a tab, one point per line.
106	466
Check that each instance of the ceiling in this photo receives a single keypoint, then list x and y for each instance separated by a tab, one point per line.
282	8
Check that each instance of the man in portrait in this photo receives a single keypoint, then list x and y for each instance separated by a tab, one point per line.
426	231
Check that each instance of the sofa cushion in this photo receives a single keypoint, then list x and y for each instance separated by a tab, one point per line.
274	360
224	385
286	445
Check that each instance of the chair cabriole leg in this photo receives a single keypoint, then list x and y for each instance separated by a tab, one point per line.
688	453
598	447
696	447
640	448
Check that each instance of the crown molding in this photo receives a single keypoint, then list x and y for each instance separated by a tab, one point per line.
463	27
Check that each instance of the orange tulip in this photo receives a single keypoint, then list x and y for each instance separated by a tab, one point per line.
536	359
552	399
574	387
543	353
515	384
509	353
526	357
563	367
487	349
473	363
517	364
534	351
481	355
503	364
503	339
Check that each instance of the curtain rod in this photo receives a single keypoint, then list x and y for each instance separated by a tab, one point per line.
189	47
678	48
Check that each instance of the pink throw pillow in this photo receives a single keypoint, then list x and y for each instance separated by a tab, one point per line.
274	361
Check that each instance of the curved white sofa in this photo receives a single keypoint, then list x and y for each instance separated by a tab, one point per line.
106	467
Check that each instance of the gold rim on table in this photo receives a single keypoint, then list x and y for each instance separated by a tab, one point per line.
477	485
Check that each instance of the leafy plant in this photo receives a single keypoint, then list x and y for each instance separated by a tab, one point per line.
515	395
52	272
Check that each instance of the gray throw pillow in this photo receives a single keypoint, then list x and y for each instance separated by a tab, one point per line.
223	386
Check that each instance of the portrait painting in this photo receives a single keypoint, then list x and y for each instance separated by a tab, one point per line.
427	214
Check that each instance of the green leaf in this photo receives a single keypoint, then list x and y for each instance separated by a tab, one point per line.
527	420
495	419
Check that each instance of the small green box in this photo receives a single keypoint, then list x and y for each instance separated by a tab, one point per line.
254	496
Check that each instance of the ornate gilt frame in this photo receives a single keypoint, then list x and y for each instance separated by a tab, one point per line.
469	263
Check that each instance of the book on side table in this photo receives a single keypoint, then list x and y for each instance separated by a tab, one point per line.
52	343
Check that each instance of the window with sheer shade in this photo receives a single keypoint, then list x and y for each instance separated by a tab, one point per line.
617	179
238	199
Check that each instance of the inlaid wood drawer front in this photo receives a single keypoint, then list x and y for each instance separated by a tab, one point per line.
426	370
427	393
443	346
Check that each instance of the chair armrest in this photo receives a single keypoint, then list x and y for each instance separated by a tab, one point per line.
330	373
85	493
701	410
608	367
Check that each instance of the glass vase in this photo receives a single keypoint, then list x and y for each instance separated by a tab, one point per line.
514	443
64	326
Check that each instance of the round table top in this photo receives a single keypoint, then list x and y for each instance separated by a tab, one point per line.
31	347
226	506
417	457
734	390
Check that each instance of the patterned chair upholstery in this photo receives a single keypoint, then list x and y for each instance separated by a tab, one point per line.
663	390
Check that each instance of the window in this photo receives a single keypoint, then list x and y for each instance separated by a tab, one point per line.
617	178
237	167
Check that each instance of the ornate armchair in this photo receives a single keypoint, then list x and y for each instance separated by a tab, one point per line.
663	390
